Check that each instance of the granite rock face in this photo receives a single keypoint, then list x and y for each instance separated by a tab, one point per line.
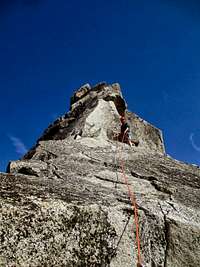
66	203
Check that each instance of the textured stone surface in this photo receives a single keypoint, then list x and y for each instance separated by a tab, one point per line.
66	202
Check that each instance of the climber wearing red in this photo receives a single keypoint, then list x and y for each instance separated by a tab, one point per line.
125	135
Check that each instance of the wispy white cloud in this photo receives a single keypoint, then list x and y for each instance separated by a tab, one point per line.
196	147
20	147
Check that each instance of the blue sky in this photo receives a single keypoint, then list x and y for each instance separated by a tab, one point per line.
49	48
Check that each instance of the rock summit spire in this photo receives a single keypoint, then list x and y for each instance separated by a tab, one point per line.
66	204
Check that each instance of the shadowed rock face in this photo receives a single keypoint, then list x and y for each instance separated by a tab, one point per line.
66	203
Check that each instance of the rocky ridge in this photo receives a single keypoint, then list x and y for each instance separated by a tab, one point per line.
66	204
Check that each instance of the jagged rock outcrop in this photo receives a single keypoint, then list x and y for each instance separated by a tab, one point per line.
66	203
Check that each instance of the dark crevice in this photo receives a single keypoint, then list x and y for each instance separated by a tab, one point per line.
172	205
148	178
57	175
120	238
124	200
108	180
27	171
167	234
161	188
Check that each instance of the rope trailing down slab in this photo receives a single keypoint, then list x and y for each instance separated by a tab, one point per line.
134	206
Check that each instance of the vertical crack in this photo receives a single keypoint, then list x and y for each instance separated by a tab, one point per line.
127	222
166	232
166	239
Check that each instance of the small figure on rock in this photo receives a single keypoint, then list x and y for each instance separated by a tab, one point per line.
125	134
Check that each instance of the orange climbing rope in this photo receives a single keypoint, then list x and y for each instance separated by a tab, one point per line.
134	206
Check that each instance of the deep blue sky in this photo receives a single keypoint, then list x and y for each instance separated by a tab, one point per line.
49	48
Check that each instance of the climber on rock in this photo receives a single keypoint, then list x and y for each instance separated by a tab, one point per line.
125	135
